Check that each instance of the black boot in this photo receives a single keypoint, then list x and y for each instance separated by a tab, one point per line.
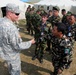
40	60
34	57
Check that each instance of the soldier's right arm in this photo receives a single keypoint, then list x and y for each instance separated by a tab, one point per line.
12	38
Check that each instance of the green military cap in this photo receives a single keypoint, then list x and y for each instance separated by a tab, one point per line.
68	13
56	8
44	14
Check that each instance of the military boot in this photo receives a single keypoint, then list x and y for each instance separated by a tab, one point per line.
34	57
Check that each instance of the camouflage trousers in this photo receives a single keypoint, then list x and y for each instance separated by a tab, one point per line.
60	63
39	50
14	67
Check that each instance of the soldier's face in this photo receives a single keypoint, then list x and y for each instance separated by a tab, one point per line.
14	16
72	19
55	12
63	12
55	31
44	18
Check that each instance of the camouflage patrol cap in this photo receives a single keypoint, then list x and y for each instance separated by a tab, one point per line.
13	8
44	14
56	8
68	13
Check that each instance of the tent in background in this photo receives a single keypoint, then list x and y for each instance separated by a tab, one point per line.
23	6
63	4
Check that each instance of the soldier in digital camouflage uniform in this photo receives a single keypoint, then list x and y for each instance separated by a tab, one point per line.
10	41
55	17
44	31
61	49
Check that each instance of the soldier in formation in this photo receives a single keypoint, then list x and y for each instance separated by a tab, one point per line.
27	15
44	31
61	49
71	27
63	11
55	15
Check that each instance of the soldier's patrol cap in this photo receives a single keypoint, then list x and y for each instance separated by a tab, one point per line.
12	8
44	14
68	13
56	8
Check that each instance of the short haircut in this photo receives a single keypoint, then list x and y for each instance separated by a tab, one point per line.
73	15
61	27
50	10
63	10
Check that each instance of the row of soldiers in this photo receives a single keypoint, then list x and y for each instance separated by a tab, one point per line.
53	34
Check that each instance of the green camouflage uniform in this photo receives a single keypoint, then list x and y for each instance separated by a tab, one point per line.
71	32
54	19
41	45
31	20
27	14
64	20
35	20
61	53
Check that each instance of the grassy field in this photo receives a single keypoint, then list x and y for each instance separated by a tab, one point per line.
30	67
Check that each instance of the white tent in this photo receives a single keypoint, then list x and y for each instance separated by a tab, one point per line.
4	2
63	4
23	6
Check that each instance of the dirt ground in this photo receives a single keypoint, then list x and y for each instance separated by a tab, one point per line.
30	67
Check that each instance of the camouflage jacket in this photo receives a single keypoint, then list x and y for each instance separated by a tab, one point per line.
61	47
45	29
64	19
27	15
54	19
10	41
35	19
71	32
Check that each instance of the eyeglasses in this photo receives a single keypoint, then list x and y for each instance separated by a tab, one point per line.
17	14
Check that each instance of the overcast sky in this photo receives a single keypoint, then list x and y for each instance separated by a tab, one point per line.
34	0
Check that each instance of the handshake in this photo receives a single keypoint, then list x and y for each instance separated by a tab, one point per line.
32	41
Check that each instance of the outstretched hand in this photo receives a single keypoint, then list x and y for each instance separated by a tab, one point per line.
33	41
